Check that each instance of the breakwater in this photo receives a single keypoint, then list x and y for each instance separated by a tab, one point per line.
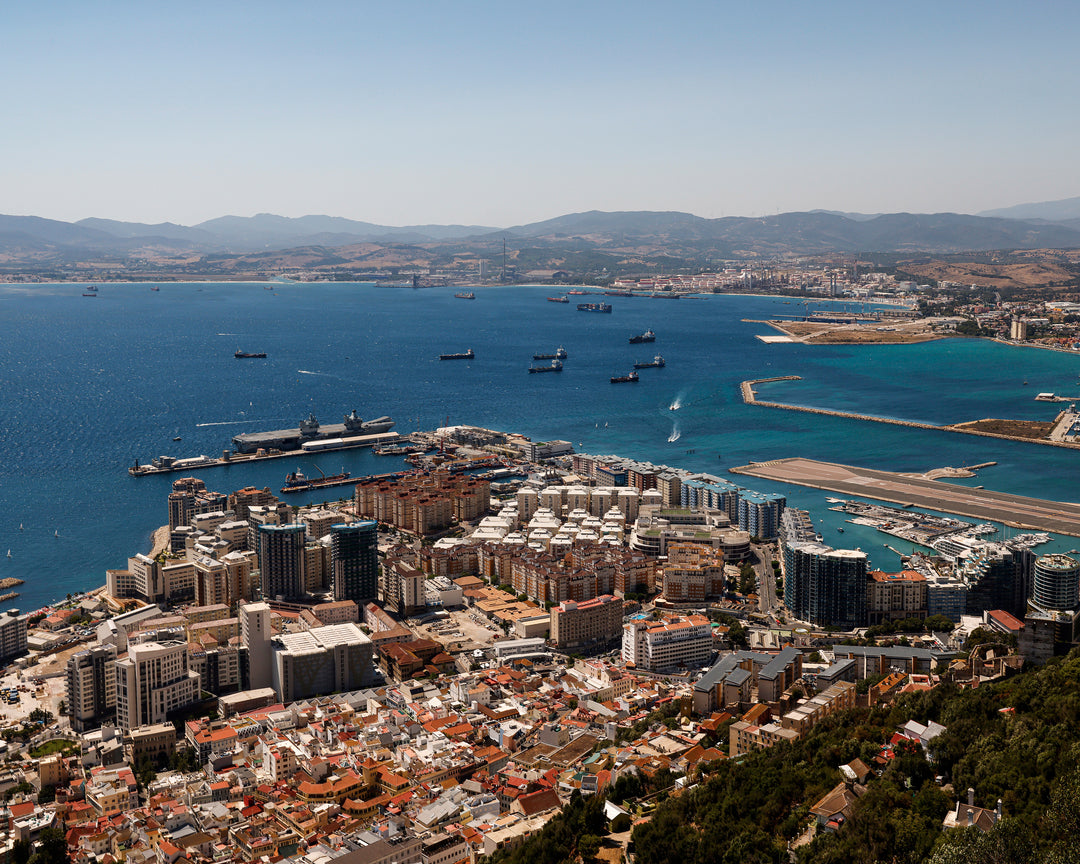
750	398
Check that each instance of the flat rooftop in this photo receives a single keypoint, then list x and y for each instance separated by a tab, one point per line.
1015	510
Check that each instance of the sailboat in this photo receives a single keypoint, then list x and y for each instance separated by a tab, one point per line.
56	533
8	553
20	526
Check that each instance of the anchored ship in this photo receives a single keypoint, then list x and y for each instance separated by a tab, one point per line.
647	336
464	355
558	355
243	355
623	379
563	299
657	363
465	295
594	307
556	366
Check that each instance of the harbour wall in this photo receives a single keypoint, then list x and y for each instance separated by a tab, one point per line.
750	398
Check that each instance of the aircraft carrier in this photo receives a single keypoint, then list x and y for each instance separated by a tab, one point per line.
310	430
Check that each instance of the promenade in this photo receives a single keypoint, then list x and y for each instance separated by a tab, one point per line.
1013	510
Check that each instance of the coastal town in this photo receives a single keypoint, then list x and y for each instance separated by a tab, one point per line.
432	667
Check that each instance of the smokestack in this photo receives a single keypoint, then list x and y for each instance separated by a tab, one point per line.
971	797
997	811
971	818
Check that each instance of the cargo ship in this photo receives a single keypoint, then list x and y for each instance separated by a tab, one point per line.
647	336
558	355
246	355
594	307
556	366
464	355
657	363
310	430
578	291
563	299
297	481
623	379
465	295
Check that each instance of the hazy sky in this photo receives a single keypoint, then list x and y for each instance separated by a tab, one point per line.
504	113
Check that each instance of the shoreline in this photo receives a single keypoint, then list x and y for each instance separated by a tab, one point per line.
159	541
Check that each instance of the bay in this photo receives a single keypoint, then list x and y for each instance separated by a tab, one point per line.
89	385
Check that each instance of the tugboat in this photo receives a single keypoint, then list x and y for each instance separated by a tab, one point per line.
593	307
556	366
647	336
657	363
623	379
465	295
464	355
558	355
244	355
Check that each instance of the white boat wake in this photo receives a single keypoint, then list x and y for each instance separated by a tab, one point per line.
231	422
675	434
678	403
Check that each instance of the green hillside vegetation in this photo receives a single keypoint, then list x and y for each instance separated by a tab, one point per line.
1017	740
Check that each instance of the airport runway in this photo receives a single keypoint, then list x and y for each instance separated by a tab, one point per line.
1013	510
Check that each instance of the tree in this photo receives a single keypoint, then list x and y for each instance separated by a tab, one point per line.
588	845
51	848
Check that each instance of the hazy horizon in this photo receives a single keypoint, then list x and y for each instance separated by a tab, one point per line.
489	114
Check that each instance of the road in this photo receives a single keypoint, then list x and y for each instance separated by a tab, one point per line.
767	600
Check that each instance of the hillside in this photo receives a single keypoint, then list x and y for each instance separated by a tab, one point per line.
1017	740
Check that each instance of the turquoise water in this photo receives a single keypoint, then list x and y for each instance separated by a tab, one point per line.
91	384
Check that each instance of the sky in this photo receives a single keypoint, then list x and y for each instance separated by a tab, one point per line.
500	114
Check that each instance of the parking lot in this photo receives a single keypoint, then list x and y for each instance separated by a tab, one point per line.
462	629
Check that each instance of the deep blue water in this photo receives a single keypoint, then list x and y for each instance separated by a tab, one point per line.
90	385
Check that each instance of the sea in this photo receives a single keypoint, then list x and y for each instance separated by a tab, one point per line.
89	385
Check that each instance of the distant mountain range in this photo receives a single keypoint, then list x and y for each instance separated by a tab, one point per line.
31	241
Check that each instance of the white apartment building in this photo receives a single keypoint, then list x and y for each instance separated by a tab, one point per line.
152	681
668	645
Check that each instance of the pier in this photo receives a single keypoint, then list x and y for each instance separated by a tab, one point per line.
750	398
1017	511
169	464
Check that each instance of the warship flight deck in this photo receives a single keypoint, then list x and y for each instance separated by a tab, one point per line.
1013	510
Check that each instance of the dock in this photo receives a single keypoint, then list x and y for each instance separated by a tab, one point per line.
170	464
1016	511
